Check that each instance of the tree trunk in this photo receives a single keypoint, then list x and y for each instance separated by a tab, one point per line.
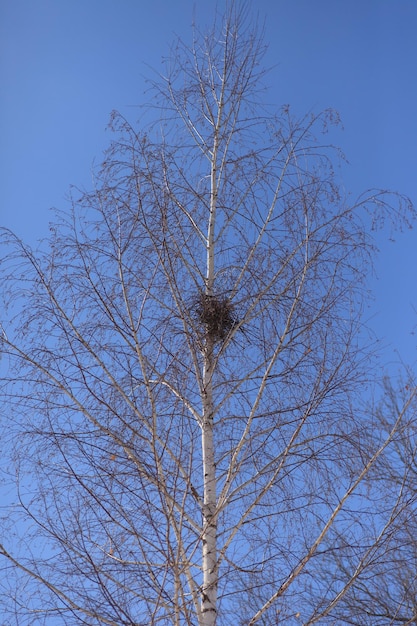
209	588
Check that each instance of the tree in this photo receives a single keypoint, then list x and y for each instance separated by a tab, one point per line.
387	594
185	358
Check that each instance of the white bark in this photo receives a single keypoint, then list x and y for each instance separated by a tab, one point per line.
209	533
209	537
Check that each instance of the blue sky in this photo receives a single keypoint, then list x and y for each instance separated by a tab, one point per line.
66	64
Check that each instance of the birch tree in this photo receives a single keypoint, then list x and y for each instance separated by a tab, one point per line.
387	594
182	366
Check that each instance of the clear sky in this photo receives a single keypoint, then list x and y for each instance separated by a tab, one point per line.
66	64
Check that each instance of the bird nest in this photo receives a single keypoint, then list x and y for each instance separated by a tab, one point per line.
216	313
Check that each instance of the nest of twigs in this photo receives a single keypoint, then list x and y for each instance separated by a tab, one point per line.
216	314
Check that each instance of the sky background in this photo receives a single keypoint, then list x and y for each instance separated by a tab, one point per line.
66	64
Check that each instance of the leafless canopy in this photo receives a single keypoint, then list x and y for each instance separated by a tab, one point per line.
182	371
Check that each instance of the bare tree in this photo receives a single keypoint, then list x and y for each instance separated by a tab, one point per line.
185	360
387	593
